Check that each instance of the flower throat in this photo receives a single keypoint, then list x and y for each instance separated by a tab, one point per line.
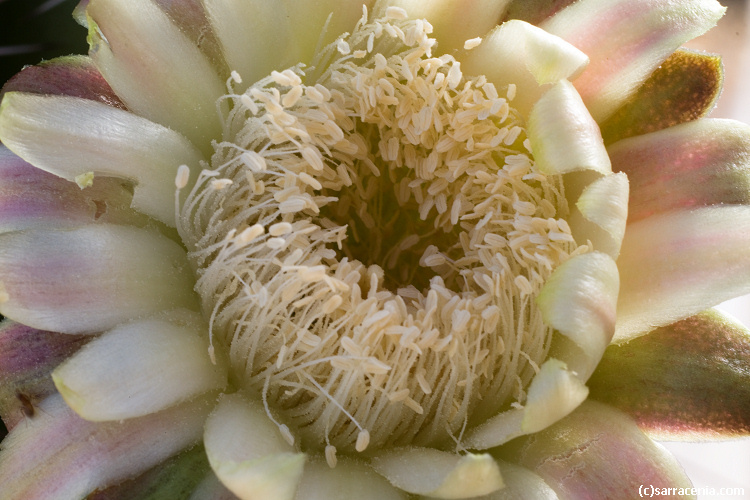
369	242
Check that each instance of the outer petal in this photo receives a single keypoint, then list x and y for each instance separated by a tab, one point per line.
74	76
79	138
249	454
139	368
520	484
597	452
626	40
526	56
92	278
534	11
33	198
700	163
348	480
685	87
690	379
60	455
439	474
564	137
27	356
677	264
175	478
454	22
155	69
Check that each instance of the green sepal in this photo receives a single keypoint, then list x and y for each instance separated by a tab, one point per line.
688	380
684	88
174	478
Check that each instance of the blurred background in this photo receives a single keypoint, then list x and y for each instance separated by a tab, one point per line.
31	30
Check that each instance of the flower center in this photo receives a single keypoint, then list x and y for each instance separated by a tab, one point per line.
370	241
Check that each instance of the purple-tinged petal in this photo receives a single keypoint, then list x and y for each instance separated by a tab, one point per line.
676	264
33	198
27	357
177	477
598	453
79	139
688	380
90	279
155	68
60	455
626	41
75	76
534	11
684	88
140	367
699	163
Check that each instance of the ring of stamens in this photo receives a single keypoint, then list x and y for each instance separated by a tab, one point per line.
436	327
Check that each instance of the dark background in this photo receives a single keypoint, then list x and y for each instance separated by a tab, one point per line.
32	30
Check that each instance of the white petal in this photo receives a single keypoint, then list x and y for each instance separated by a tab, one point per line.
154	68
439	474
139	368
349	480
554	392
57	454
564	137
255	36
248	453
72	137
522	54
579	300
454	22
521	484
626	40
602	213
677	264
91	279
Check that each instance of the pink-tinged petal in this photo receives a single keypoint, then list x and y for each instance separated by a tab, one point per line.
79	139
684	88
248	452
33	198
75	76
700	163
140	367
175	478
626	41
597	453
534	11
156	69
526	56
677	264
439	474
27	357
348	480
453	22
563	135
689	380
60	455
90	279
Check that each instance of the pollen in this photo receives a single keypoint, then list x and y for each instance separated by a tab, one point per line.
370	240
